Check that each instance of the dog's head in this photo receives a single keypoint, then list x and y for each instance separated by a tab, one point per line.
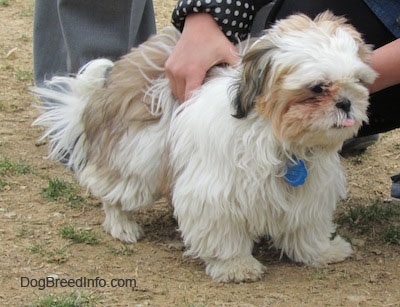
308	78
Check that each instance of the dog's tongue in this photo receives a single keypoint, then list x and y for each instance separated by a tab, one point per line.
348	122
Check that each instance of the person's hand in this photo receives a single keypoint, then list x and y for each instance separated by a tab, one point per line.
201	46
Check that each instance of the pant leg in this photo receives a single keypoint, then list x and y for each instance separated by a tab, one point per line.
69	33
384	110
49	52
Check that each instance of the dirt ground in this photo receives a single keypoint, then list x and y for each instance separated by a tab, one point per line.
32	247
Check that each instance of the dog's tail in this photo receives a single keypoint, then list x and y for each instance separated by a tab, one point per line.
64	100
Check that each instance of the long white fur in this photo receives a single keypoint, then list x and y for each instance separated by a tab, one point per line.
227	183
65	101
237	178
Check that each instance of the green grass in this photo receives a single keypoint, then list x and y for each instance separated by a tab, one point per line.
78	236
378	220
37	248
4	2
75	299
58	188
61	190
24	232
10	168
392	234
124	250
319	273
57	255
27	12
24	75
25	38
2	184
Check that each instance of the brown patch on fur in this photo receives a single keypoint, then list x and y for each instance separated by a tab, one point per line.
253	79
291	113
257	80
122	104
277	108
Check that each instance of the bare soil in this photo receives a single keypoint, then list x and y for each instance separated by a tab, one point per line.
31	245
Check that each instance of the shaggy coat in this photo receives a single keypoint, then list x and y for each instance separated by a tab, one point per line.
226	156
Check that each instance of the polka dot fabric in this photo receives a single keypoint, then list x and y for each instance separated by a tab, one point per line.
234	17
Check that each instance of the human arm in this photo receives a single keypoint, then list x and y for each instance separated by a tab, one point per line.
386	62
209	30
201	46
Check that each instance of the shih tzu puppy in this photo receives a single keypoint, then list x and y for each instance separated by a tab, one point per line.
253	152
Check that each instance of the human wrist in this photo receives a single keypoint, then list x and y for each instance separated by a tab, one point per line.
234	18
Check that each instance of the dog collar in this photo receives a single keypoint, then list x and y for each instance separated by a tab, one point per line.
296	172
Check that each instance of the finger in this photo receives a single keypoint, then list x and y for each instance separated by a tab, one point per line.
172	83
193	84
180	90
231	55
233	58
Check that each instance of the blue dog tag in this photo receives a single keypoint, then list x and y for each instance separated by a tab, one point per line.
296	173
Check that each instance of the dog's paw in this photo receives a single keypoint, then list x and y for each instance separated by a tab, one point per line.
235	270
338	250
125	230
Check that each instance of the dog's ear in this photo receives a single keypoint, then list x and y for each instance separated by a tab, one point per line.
255	67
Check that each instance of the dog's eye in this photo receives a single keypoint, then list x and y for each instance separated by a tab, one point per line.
361	81
317	88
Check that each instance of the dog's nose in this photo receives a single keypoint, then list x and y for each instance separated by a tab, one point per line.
344	104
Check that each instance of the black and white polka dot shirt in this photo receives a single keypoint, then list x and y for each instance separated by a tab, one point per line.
234	17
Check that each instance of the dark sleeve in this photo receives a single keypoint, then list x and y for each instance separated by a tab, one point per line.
234	17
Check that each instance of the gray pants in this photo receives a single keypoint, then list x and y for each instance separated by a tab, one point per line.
69	33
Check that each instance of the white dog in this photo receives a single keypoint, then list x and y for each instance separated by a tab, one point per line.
252	153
